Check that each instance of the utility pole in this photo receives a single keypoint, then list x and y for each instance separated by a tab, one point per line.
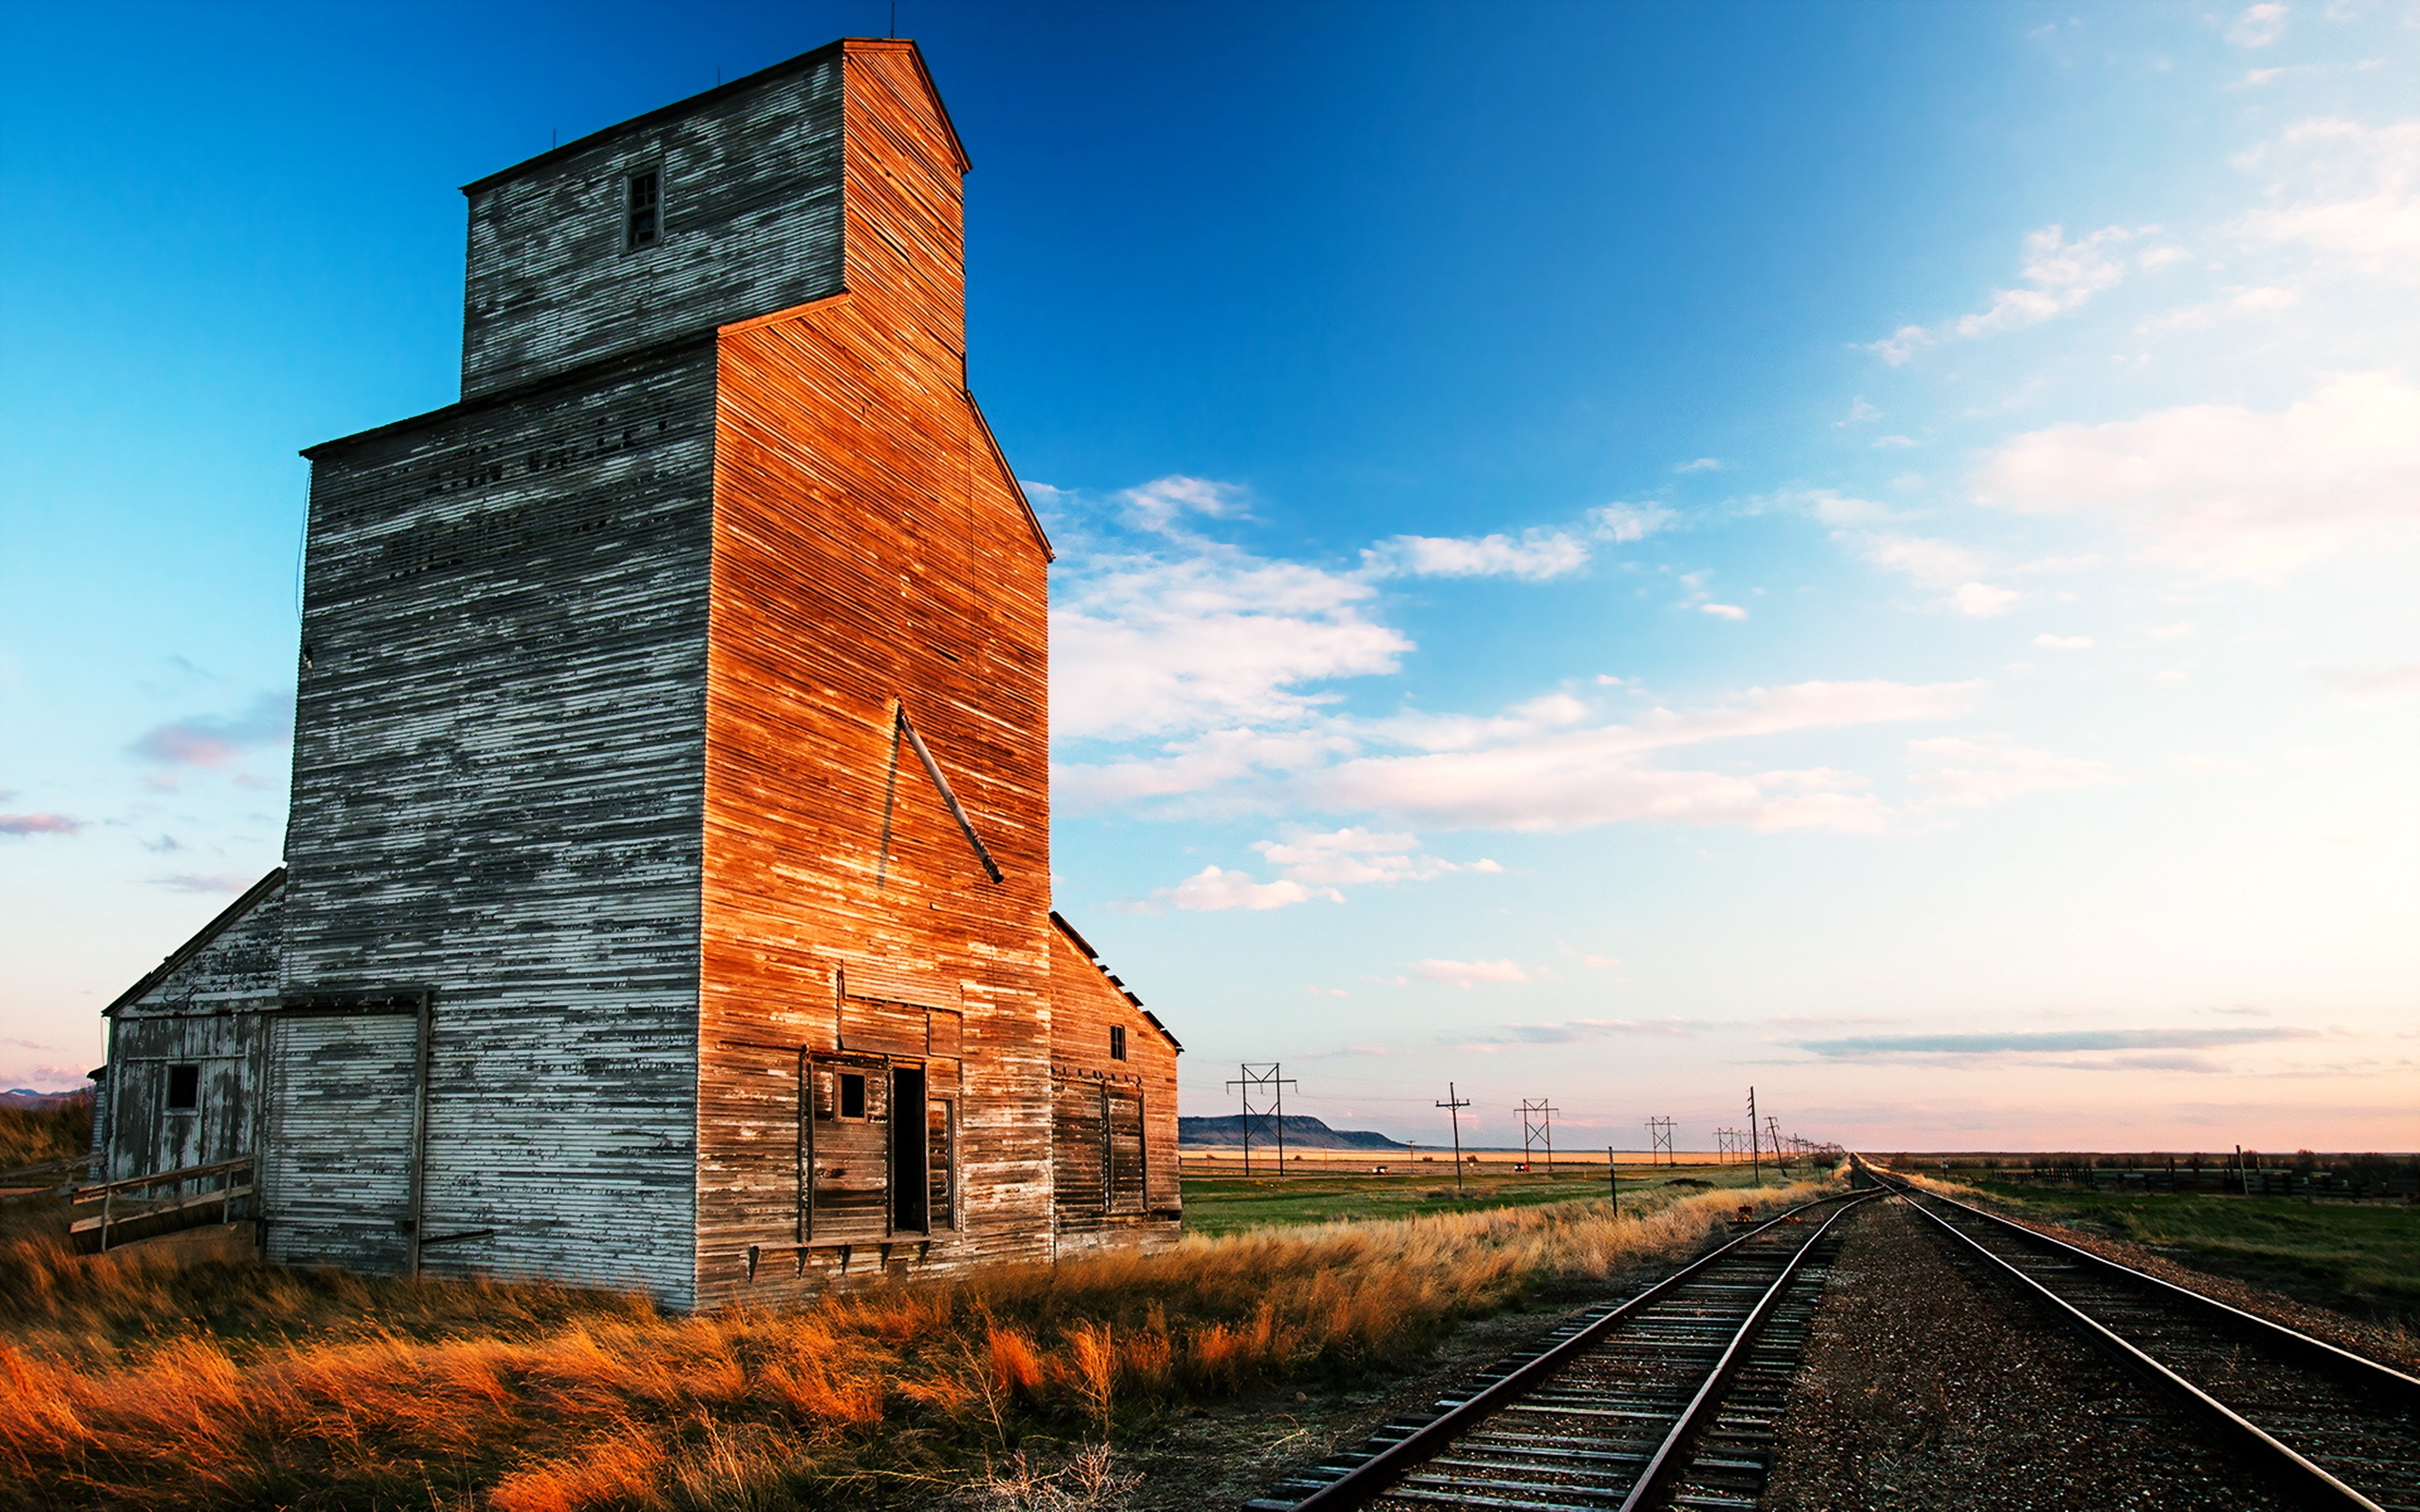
1263	1083
1659	1138
1756	1160
1537	1122
1612	1181
1773	1142
1453	1105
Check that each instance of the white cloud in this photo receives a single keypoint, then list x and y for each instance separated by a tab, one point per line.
1831	506
1212	889
1724	611
1983	600
1703	464
1963	773
1464	973
2372	685
1927	559
2264	299
2357	194
2064	643
1630	522
1350	858
2063	274
1536	556
2259	26
1580	779
1154	645
2227	490
1462	732
1161	505
1859	412
1894	444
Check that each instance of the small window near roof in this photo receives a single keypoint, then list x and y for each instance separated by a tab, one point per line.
1117	1041
184	1088
642	221
852	1094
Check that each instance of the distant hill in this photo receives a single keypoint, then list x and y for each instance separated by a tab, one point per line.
1302	1133
26	1098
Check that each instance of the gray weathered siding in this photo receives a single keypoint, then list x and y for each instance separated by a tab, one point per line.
751	224
204	1010
498	775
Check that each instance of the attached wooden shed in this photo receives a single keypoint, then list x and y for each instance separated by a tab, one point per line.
667	891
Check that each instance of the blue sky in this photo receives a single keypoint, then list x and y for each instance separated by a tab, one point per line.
1609	552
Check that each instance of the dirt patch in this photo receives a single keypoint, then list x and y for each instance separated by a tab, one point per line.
1927	1385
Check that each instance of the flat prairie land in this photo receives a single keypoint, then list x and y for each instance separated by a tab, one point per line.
2360	1258
1176	1380
1227	1203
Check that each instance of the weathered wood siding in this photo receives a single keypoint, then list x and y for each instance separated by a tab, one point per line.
750	204
1113	1134
871	554
498	789
202	1007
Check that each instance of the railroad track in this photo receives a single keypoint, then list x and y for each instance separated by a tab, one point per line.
1668	1399
2332	1429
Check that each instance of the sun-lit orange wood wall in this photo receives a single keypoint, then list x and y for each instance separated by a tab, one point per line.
1138	1206
872	550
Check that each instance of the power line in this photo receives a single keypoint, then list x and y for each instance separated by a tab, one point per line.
1537	1122
1453	1105
1263	1082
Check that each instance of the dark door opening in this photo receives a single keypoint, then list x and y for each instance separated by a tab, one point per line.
910	1205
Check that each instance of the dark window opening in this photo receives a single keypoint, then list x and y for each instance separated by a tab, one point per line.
643	218
910	1156
184	1088
852	1094
1117	1041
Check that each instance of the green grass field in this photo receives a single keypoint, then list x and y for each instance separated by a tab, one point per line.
2357	1257
1229	1204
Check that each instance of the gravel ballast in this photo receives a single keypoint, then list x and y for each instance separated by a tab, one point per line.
1929	1383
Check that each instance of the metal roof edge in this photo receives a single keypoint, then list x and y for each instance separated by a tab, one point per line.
1120	988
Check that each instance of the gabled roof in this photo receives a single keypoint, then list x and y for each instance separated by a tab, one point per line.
227	919
1123	990
1008	476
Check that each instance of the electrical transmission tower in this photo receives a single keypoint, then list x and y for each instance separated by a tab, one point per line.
1659	1138
1537	1124
1262	1084
1454	1103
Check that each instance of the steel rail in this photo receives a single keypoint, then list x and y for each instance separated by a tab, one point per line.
1376	1476
1668	1460
2367	1373
2287	1466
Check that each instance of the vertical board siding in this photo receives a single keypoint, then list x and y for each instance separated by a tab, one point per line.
498	775
1115	1121
870	551
750	225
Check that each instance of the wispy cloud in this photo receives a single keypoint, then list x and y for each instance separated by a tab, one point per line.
1532	557
1464	974
2061	275
212	741
225	882
1630	522
2229	492
1964	773
2048	1041
1581	1032
38	824
2259	26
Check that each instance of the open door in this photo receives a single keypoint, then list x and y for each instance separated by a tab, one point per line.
911	1202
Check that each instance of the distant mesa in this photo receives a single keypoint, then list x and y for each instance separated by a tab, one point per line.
1301	1132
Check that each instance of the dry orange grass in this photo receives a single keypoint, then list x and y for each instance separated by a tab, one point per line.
126	1383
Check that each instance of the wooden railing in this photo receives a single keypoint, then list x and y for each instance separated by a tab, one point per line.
121	1204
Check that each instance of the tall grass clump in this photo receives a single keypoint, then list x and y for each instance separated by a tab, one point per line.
37	1137
124	1383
